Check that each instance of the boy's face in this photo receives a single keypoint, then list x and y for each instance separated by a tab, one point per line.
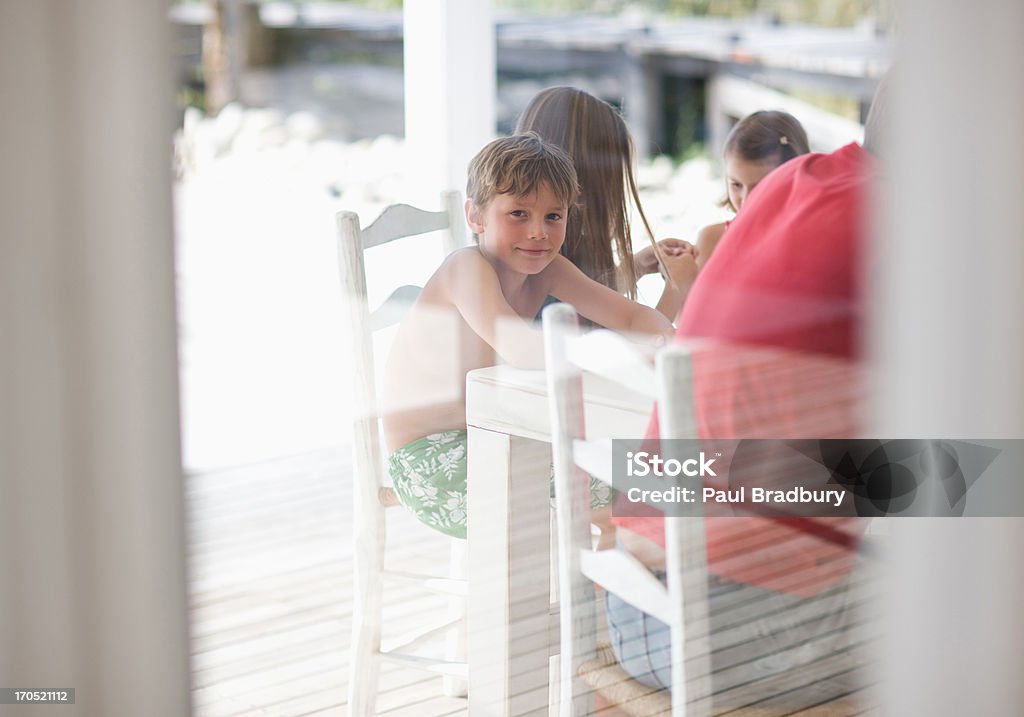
523	233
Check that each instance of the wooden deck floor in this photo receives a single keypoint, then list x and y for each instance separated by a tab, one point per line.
271	599
271	592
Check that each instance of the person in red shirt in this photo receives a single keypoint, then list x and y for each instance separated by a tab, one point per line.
778	314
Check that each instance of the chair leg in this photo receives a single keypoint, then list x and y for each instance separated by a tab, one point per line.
364	670
455	643
368	559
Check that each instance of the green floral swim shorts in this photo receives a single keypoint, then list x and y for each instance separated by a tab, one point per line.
429	475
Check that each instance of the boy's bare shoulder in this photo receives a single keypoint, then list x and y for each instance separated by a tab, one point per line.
460	261
460	264
465	256
461	267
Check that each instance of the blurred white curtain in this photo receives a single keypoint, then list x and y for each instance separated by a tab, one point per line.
92	563
949	339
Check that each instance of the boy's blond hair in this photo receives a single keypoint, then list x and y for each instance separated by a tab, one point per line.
518	165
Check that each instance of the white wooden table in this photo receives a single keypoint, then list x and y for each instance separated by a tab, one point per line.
512	628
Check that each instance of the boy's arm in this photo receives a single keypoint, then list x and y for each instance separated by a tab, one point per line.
600	304
473	288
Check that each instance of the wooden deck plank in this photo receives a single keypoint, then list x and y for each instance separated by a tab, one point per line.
308	694
270	592
271	606
850	704
230	627
787	687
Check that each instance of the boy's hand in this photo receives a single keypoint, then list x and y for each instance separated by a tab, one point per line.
645	261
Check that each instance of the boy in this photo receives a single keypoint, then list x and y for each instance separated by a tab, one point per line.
478	306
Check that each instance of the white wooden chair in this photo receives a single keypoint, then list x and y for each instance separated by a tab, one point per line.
818	662
584	667
371	494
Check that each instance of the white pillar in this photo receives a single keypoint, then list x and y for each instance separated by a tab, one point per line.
450	88
92	566
949	336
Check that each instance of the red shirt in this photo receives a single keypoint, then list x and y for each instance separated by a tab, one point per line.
786	274
781	302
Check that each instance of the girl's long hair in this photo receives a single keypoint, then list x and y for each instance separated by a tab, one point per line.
596	138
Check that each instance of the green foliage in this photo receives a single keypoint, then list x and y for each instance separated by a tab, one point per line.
191	97
564	7
838	105
716	8
683	109
193	92
694	151
376	4
835	13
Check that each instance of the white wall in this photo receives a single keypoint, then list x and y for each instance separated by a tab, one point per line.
92	586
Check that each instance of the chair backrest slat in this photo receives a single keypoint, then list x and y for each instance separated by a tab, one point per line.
619	572
401	220
612	356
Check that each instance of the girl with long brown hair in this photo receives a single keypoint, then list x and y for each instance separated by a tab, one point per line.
598	238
